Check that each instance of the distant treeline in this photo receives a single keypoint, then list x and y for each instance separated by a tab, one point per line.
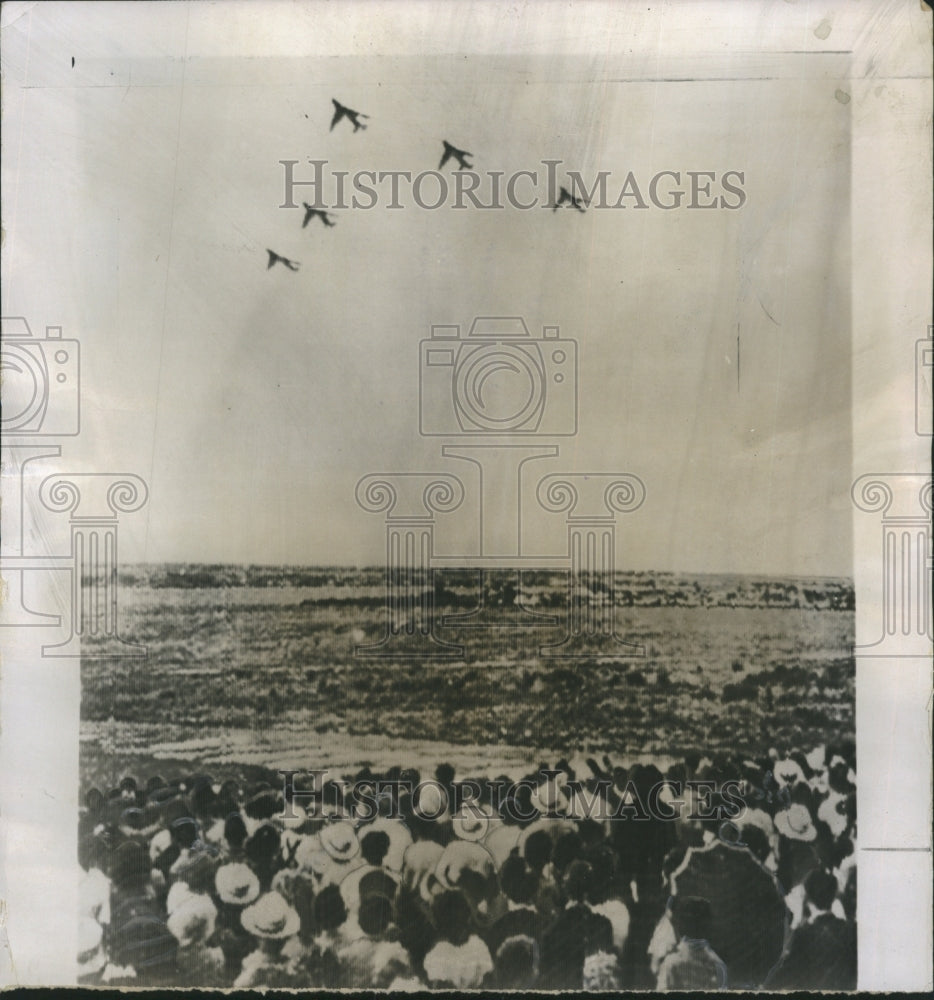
540	588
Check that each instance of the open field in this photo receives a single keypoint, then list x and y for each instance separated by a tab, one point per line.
258	665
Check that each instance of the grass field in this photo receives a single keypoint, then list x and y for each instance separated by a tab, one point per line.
256	665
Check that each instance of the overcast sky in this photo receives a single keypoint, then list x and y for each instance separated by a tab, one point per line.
146	186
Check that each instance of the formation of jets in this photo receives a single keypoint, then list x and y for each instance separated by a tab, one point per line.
451	152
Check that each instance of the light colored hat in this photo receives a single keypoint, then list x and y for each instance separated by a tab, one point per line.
432	801
460	856
159	844
816	757
270	917
501	841
787	772
829	813
340	841
236	884
549	797
795	823
418	866
177	895
192	921
472	823
91	957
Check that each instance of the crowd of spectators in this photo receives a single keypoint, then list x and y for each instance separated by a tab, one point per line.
190	881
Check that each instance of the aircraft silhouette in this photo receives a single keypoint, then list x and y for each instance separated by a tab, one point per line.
567	198
310	213
341	112
275	258
459	154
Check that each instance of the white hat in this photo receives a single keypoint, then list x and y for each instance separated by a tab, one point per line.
829	813
472	822
160	843
237	884
549	797
270	917
91	957
418	866
787	772
501	841
458	857
340	840
795	823
432	801
192	921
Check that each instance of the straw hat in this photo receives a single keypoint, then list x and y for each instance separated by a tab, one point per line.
340	841
788	772
472	823
193	919
795	823
270	917
460	856
236	884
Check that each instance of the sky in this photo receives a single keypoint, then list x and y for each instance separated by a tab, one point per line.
147	186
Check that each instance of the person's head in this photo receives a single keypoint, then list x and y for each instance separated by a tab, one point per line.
147	945
757	841
128	787
450	913
130	866
567	848
374	846
235	831
692	917
518	882
94	801
263	846
375	914
538	848
840	850
601	972
202	799
329	909
516	963
444	774
590	832
184	831
578	881
263	805
820	887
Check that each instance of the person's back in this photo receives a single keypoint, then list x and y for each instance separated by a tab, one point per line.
822	952
693	965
